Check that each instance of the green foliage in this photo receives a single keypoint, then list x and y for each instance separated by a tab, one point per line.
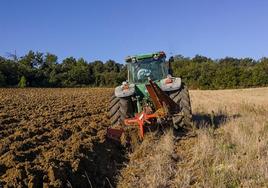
9	70
2	80
203	73
199	72
22	83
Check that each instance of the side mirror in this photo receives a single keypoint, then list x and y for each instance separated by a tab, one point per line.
171	59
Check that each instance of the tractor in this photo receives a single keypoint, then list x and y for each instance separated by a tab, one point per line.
151	96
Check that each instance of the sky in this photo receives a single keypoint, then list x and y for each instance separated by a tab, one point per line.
113	29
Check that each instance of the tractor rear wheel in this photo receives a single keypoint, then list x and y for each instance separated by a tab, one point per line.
181	97
120	109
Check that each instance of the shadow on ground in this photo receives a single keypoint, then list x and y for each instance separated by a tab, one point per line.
100	167
212	120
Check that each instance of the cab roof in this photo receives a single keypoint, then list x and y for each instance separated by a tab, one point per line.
136	58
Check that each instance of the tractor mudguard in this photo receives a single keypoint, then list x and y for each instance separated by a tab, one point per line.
120	91
170	86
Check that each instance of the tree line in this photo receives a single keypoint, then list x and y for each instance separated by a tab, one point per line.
37	69
201	72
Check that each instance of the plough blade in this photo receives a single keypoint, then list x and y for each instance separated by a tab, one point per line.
140	119
115	134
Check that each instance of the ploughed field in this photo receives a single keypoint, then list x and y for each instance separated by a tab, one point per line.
56	138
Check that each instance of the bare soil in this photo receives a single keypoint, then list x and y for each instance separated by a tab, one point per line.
56	138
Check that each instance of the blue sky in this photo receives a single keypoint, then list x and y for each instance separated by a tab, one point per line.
113	29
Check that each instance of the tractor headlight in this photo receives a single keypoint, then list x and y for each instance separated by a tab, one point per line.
156	56
133	60
169	79
125	85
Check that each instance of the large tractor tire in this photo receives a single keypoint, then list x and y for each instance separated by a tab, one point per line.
120	109
181	97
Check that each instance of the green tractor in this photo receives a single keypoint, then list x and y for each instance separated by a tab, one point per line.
149	97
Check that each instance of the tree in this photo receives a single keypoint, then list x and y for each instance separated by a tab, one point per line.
28	66
2	79
22	83
98	67
9	70
111	66
208	71
201	59
47	70
79	73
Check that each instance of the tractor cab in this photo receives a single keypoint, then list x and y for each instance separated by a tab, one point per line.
142	67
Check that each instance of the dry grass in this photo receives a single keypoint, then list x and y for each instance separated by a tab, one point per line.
230	149
236	154
151	164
